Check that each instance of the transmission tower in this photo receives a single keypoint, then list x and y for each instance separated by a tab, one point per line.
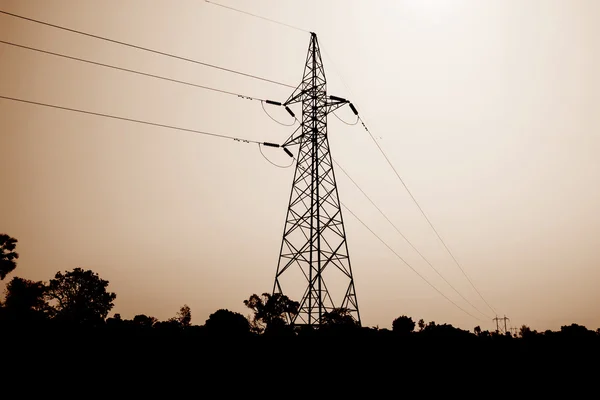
314	264
497	319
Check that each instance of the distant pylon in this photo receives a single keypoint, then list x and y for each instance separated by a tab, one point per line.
314	263
505	318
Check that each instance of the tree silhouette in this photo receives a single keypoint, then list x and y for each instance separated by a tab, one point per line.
184	316
8	256
485	334
576	331
25	301
80	296
526	332
338	317
270	310
183	319
143	321
403	325
115	321
445	330
225	322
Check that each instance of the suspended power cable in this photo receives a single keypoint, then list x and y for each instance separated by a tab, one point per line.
426	218
218	135
410	266
131	71
361	119
257	16
337	71
147	49
277	165
408	241
134	120
345	122
262	103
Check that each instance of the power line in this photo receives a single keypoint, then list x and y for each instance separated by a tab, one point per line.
410	193
426	218
207	133
271	162
382	152
345	122
131	120
257	16
131	71
410	266
146	49
337	71
262	103
408	241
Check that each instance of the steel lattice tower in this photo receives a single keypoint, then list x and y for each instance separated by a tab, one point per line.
314	264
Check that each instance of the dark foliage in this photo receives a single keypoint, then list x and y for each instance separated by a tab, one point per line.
403	325
79	297
70	312
270	311
8	255
227	323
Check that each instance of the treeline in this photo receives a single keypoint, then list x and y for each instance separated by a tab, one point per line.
79	301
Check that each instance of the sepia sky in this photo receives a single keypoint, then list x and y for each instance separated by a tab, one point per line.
488	110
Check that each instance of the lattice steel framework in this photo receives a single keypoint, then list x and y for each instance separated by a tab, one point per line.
314	239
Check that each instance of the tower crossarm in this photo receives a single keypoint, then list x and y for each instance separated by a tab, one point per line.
332	104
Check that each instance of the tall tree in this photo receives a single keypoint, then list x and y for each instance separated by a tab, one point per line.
184	316
8	256
270	310
25	300
80	296
183	319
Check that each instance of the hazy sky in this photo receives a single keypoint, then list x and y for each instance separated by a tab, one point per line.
488	109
